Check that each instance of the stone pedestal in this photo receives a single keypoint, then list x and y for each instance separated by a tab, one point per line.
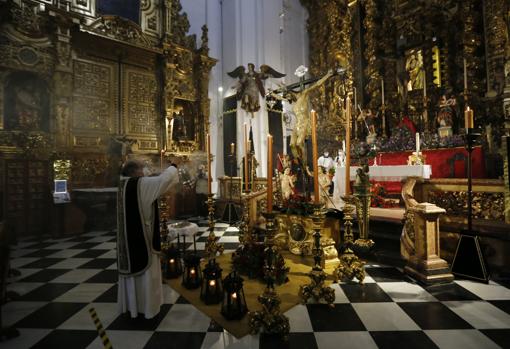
425	265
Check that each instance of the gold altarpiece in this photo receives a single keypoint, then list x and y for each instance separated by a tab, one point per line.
89	90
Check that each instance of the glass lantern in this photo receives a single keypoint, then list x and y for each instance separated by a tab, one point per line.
192	276
173	267
234	303
212	287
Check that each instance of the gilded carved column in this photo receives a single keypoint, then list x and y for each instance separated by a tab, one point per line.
373	68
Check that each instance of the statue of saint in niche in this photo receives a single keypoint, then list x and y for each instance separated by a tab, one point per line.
182	126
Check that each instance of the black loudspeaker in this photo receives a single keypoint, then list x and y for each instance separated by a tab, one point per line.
469	261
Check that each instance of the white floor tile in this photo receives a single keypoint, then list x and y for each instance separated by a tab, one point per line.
299	319
347	340
28	337
13	312
20	262
170	296
109	254
23	288
465	339
70	263
100	239
76	276
184	318
367	280
107	312
124	339
112	267
225	340
66	253
105	246
232	229
406	292
384	317
94	233
200	246
221	225
83	293
26	272
340	296
491	291
229	239
480	315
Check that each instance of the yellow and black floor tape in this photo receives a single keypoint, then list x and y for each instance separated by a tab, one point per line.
100	330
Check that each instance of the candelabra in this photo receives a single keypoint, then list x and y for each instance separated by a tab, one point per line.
270	318
468	246
350	265
230	212
316	288
362	198
211	246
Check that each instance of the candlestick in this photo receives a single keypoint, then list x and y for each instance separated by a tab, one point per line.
348	147
465	76
382	91
161	159
209	178
269	173
417	144
469	118
232	148
246	157
315	159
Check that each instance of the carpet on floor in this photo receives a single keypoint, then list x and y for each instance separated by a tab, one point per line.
288	292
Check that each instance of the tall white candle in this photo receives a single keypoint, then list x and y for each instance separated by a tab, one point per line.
417	143
424	84
343	145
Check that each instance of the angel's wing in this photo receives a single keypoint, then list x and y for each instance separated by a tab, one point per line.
237	72
266	71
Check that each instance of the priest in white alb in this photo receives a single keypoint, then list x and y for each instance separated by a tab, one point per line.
138	239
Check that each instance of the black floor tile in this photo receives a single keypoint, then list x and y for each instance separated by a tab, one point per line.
295	340
386	274
125	322
98	263
341	317
90	253
365	293
109	296
39	245
503	305
41	253
203	238
451	292
80	239
43	263
175	340
404	339
433	316
66	339
231	233
47	292
181	300
105	276
51	315
500	336
44	275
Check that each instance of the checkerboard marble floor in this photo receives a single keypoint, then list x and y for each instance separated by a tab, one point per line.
62	278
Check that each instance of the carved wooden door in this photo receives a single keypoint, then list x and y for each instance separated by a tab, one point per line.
27	196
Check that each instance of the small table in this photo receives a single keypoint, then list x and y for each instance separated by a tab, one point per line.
184	229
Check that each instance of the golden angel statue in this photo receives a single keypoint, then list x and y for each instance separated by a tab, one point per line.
250	85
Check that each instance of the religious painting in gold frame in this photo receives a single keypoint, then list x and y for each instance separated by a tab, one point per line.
414	67
183	127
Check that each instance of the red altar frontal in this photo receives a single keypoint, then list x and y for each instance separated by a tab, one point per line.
445	163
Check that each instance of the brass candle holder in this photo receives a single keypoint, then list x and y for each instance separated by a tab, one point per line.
316	289
212	247
350	266
362	199
270	319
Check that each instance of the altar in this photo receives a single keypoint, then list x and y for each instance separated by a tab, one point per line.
391	176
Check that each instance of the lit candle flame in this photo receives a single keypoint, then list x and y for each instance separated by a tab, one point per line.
172	260
192	271
234	295
212	283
